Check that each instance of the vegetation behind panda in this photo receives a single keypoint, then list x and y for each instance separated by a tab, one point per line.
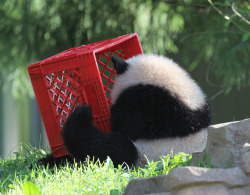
157	108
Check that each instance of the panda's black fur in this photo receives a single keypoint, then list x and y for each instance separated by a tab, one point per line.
148	112
151	104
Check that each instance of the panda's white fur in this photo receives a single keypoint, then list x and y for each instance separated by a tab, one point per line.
162	72
152	150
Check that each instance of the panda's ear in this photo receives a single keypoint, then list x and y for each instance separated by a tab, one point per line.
119	64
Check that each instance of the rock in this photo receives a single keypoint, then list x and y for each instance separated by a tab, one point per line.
225	141
217	189
197	175
145	186
246	148
245	158
198	158
191	180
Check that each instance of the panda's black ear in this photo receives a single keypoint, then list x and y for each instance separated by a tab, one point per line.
120	65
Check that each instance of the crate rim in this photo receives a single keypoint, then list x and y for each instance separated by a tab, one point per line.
50	60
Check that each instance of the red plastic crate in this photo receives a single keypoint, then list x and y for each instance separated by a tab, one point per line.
80	75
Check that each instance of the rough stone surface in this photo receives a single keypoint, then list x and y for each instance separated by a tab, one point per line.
224	143
191	180
245	158
196	175
230	141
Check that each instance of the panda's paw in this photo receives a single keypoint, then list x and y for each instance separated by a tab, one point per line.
81	116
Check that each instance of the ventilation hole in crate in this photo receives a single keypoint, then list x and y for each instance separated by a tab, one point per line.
57	86
116	54
72	98
61	122
111	66
52	95
60	100
58	109
71	74
59	77
110	86
107	94
63	92
63	114
104	81
69	105
68	84
108	53
119	52
113	78
100	68
50	78
103	59
107	72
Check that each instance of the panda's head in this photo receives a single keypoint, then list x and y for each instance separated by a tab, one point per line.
159	71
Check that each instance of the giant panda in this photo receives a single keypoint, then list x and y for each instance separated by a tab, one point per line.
157	109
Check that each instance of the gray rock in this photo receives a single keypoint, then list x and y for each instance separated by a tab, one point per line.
193	190
216	189
240	191
196	176
145	186
225	141
198	158
190	180
246	148
245	158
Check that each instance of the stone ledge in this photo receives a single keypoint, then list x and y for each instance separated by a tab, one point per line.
224	144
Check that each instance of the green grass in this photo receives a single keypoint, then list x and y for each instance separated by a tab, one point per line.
88	178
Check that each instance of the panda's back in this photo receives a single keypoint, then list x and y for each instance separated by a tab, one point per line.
151	112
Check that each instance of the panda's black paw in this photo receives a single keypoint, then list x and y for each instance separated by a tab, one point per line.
81	117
